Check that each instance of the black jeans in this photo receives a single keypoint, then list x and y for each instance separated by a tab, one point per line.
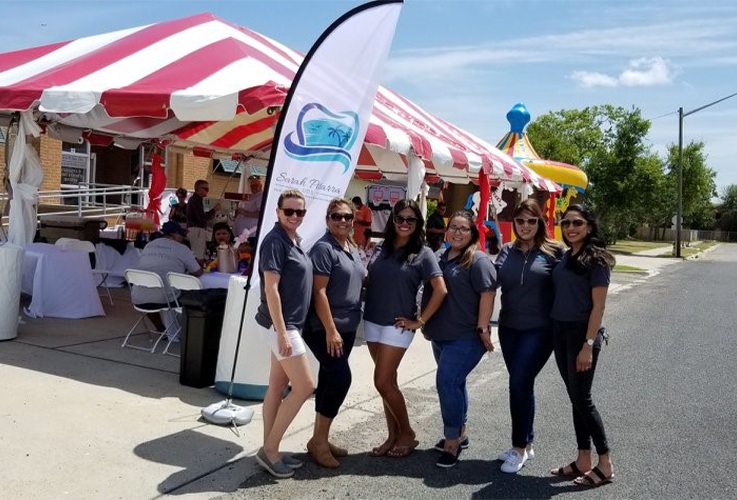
568	339
334	375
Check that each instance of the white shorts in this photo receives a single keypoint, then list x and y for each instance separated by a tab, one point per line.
295	339
388	335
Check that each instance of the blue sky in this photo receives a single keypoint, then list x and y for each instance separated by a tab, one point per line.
471	61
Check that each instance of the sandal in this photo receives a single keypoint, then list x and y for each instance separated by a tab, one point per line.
561	471
594	481
382	449
401	451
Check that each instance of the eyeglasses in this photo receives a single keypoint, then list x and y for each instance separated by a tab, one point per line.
299	212
398	219
532	221
459	229
337	217
575	222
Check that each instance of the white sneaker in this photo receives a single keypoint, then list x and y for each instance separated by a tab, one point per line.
504	456
514	462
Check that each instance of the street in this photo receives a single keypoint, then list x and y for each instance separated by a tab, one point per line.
664	387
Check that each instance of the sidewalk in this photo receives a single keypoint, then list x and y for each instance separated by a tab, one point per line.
82	418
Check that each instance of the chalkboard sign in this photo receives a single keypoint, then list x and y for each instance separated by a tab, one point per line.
72	175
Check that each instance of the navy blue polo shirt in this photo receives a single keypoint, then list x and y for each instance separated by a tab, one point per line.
526	281
573	291
458	315
279	255
346	272
391	290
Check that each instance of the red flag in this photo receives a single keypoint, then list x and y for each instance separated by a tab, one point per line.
483	207
158	184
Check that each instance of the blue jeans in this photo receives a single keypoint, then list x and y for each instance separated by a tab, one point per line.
455	359
525	353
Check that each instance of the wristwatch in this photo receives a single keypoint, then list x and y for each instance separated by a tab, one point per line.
590	342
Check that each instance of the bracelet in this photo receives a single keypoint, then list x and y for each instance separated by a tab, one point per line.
421	321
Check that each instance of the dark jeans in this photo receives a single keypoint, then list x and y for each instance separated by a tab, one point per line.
525	353
455	359
568	339
334	375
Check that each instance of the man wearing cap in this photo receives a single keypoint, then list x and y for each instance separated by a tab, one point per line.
164	255
250	208
435	227
197	218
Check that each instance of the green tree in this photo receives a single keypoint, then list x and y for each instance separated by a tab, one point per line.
609	144
699	184
728	207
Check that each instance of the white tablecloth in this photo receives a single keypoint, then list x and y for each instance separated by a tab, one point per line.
111	260
60	283
216	279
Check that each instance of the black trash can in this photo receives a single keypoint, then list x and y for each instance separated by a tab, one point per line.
202	321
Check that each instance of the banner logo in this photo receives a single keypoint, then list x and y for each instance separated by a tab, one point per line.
323	135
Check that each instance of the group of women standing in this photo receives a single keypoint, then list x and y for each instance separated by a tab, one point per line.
551	301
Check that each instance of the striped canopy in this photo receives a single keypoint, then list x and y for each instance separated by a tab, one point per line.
213	87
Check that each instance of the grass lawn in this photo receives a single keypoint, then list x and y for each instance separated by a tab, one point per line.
629	247
619	268
693	250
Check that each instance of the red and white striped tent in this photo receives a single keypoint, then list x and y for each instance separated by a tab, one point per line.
207	85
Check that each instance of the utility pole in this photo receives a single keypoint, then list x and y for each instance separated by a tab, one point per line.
679	213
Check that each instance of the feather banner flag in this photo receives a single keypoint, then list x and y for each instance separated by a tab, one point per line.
319	136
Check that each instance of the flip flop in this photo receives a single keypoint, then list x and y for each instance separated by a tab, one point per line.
381	450
561	471
401	451
588	481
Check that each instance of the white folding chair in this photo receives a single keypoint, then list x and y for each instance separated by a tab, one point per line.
179	281
149	279
89	247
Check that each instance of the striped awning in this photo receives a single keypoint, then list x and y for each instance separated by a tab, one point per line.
212	86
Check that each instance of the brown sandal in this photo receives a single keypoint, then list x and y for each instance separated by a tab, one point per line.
337	451
401	451
561	471
598	479
322	457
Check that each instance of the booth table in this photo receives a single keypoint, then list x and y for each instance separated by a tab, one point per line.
216	279
60	283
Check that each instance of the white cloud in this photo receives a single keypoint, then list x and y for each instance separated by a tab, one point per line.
588	79
642	72
647	72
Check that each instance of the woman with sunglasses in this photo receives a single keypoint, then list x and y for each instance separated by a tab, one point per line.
525	268
459	330
398	267
285	271
581	281
338	275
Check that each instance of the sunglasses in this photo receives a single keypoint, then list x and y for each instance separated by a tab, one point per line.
336	217
398	219
532	221
459	229
574	222
299	212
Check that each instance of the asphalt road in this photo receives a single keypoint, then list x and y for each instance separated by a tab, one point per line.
664	386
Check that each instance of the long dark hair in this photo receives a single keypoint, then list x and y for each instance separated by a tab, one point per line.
469	250
222	225
416	239
593	250
541	240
